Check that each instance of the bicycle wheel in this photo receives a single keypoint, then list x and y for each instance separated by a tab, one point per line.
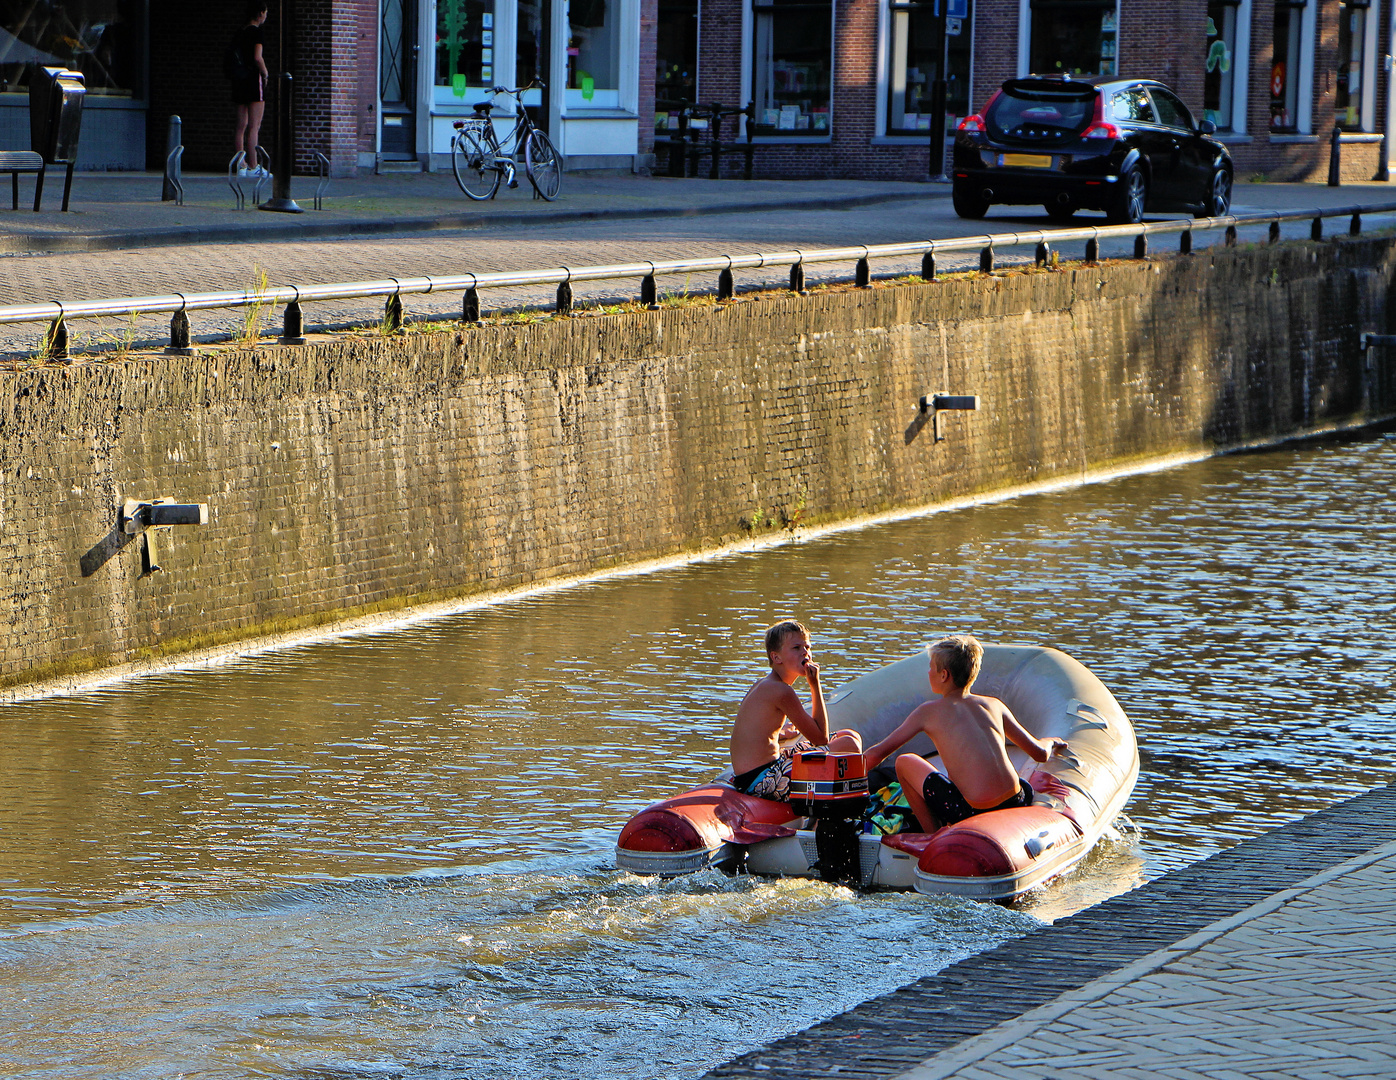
543	165
472	160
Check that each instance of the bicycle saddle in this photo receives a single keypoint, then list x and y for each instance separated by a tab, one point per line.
482	108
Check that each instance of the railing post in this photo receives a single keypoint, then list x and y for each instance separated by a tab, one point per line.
1274	232
179	335
1231	236
649	294
1185	242
55	345
1141	246
1316	229
862	275
1042	253
293	324
725	285
797	279
470	306
986	259
928	266
1355	228
1093	250
564	298
392	314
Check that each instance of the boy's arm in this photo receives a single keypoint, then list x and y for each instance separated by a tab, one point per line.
910	726
1040	750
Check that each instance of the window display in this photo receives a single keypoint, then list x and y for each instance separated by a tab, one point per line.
1284	72
593	53
922	42
1218	79
792	67
465	43
1073	37
1352	50
103	39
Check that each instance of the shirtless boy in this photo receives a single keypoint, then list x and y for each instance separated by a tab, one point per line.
772	711
968	731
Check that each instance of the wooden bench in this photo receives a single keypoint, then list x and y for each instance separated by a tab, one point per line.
15	162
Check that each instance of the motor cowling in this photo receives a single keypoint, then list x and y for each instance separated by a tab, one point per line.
828	785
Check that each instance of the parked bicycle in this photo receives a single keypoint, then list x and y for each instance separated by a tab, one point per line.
481	162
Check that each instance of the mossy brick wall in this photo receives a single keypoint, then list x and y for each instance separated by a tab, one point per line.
367	474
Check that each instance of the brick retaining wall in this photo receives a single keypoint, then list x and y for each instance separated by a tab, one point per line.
367	474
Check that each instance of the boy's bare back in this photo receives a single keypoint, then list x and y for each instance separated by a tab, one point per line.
968	731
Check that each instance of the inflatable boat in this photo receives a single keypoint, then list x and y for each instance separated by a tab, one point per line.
995	855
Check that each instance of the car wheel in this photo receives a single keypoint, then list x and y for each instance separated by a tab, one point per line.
1059	211
967	205
1218	196
1130	196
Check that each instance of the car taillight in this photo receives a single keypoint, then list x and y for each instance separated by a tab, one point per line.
971	123
1101	130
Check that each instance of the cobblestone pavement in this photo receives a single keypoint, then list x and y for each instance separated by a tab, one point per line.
1302	985
801	218
1267	961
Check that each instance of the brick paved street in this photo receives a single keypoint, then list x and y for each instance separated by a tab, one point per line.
1270	960
622	220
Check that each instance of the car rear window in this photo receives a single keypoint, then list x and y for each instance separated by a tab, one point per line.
1020	113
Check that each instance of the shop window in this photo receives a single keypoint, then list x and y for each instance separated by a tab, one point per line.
928	40
793	66
104	39
1284	74
1073	37
465	47
1352	53
593	54
1219	77
676	51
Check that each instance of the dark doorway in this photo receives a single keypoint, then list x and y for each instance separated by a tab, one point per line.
397	78
676	74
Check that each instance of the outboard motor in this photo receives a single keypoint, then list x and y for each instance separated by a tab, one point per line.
832	789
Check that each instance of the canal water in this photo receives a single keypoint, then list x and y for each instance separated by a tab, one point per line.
391	855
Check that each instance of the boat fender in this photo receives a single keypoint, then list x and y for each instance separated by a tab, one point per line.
996	843
704	818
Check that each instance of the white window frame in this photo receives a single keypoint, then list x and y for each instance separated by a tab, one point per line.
884	77
1025	37
627	67
1240	71
748	64
505	46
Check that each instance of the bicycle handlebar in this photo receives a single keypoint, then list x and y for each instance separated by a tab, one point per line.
535	84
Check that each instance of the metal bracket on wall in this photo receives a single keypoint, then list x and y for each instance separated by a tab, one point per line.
935	404
145	519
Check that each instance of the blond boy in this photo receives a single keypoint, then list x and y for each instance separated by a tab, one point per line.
968	731
772	711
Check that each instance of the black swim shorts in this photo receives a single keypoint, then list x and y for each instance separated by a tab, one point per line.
944	800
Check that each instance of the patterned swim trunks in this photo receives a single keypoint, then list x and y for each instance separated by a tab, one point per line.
772	780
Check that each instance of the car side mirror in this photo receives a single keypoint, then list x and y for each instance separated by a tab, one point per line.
1206	128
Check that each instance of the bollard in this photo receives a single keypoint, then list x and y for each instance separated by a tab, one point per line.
1316	229
1093	250
1141	246
725	285
285	151
928	266
470	306
1185	242
1383	175
55	345
1042	254
564	299
173	142
1274	232
1355	227
293	324
862	276
179	335
797	279
986	259
1335	168
649	294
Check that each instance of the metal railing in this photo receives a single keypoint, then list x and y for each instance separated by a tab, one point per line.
56	313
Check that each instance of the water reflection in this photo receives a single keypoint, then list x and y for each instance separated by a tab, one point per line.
205	871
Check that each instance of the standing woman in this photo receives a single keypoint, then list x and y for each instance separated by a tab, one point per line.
249	77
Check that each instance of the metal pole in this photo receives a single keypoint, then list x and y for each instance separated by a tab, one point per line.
938	94
1383	164
172	143
1335	167
285	161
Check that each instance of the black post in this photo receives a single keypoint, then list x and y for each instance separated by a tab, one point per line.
172	143
1335	158
938	133
285	151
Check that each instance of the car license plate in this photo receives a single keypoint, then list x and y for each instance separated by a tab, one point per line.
1026	161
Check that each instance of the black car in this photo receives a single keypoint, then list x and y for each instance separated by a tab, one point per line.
1124	146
